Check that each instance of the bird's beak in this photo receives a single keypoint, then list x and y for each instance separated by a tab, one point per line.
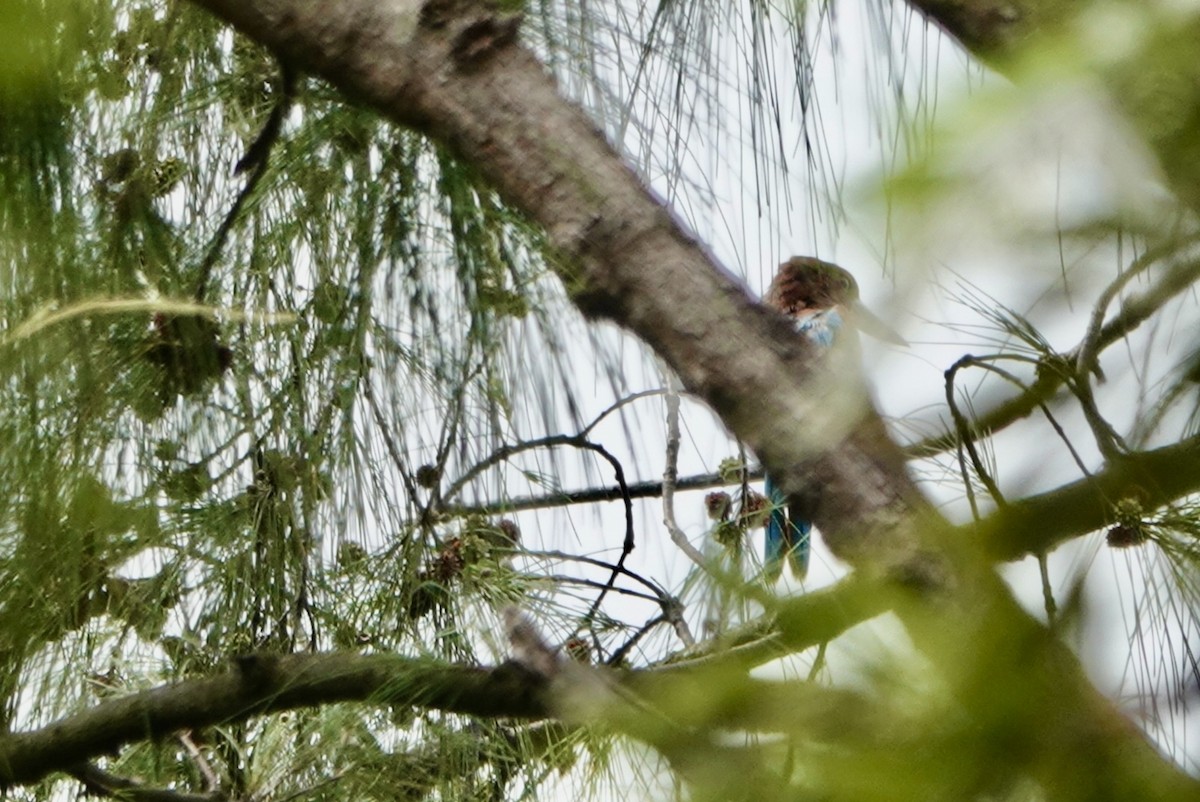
867	322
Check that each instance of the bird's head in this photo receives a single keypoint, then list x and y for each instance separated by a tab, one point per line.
805	284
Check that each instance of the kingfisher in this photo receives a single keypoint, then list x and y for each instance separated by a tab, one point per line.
822	301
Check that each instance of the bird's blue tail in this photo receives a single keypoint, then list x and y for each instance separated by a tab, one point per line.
784	537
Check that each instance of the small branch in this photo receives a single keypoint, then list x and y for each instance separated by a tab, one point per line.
1089	347
506	452
628	545
586	430
1132	314
671	607
1049	604
390	444
211	782
261	684
618	656
255	160
1110	444
670	476
449	435
965	434
653	586
100	783
583	582
1039	523
595	495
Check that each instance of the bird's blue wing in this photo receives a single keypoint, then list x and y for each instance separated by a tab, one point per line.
798	542
785	537
777	525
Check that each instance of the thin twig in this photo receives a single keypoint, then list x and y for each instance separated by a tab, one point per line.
506	452
209	777
654	587
1132	314
592	495
670	476
964	431
565	579
671	606
586	430
101	783
628	545
390	444
619	655
255	160
450	429
1048	601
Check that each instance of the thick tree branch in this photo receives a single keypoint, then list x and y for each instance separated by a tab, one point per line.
1039	523
261	684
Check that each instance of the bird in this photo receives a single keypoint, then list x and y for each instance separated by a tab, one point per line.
821	299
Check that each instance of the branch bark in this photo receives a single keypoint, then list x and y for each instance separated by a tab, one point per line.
1039	523
260	684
